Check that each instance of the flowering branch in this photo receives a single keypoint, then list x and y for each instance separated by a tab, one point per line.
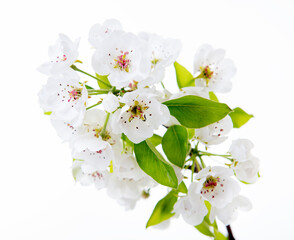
114	141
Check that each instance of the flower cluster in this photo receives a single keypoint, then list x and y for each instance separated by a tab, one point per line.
112	124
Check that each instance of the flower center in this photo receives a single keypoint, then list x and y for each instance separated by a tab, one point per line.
75	94
205	73
96	175
210	182
61	58
154	61
122	62
137	110
106	137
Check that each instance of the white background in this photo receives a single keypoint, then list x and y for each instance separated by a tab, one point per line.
38	197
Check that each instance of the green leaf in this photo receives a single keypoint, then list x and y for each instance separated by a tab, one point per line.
88	87
204	228
184	77
239	117
152	163
219	236
213	97
182	187
196	112
155	140
191	133
163	209
175	144
105	79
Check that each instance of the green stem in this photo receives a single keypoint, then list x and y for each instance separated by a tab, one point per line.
193	169
97	92
74	67
213	154
93	105
202	162
102	134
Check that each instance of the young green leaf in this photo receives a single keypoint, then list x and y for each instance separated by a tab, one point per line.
196	112
175	144
105	79
184	77
219	236
152	163
204	228
213	97
182	187
88	87
239	117
163	209
155	140
191	133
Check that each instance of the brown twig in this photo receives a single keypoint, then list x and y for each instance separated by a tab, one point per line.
230	233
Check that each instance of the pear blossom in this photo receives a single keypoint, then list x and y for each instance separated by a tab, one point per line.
216	185
126	191
240	149
215	133
163	53
140	116
98	178
191	207
229	213
99	32
65	98
212	70
88	145
247	171
65	130
62	55
123	57
127	181
110	102
245	165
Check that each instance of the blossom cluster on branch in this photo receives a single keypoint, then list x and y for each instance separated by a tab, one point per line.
111	124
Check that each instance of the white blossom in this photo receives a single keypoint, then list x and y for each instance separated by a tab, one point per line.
241	149
110	102
215	133
99	32
127	180
212	70
88	145
140	116
245	165
123	57
217	186
98	178
229	213
65	130
65	98
164	51
62	55
126	191
191	207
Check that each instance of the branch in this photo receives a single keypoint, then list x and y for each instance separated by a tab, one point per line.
230	236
